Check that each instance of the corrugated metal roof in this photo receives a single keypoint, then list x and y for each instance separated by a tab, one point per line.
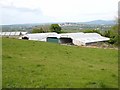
78	38
17	33
39	36
55	35
7	33
92	34
0	33
3	33
12	33
86	37
90	40
67	35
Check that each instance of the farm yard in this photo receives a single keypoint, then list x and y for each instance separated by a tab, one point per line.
35	64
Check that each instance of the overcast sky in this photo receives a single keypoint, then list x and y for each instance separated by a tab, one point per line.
43	11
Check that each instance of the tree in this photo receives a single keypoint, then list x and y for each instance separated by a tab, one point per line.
55	28
113	35
107	33
46	28
37	30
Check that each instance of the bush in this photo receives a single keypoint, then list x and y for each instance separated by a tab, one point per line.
113	35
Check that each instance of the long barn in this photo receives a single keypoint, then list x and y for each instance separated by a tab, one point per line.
68	38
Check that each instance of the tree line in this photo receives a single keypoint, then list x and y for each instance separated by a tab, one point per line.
52	28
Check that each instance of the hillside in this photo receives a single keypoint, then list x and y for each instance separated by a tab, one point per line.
99	22
69	26
34	64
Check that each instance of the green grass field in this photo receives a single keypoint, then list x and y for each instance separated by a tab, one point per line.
34	64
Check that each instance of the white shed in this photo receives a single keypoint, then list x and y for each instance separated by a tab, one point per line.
38	36
88	38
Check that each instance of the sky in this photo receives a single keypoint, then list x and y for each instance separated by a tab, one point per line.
45	11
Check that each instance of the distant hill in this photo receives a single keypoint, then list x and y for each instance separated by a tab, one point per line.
101	22
97	22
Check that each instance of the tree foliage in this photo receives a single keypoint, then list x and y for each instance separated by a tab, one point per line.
55	28
93	31
38	30
41	29
113	35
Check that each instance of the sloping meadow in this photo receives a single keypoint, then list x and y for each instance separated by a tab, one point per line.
34	64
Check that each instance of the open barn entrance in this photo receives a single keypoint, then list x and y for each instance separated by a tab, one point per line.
66	41
52	39
25	38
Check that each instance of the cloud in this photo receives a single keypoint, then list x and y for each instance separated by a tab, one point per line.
22	9
63	8
15	15
18	11
19	16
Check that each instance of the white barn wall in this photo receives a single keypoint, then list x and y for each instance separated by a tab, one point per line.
39	36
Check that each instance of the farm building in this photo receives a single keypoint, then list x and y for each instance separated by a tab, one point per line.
61	38
12	34
77	38
37	36
87	38
68	38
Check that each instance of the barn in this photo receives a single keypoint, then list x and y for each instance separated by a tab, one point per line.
37	36
12	34
78	39
89	39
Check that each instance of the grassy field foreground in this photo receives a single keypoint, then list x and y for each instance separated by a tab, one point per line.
34	64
